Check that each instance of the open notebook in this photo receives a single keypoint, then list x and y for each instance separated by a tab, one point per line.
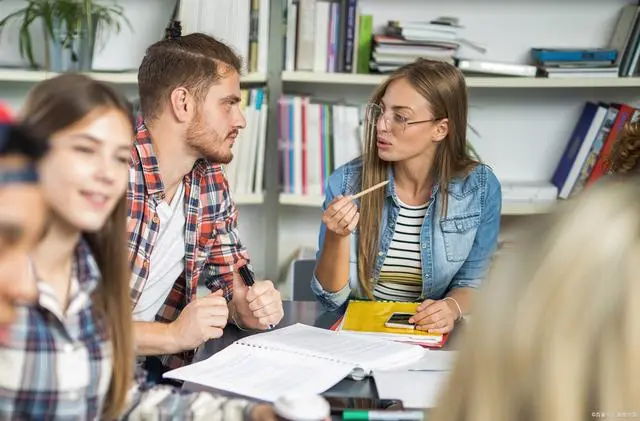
294	359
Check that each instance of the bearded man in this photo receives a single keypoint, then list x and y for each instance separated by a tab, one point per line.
182	221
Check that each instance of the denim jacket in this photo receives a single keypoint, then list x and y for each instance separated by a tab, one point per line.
455	250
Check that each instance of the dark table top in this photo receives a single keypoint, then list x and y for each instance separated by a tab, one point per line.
310	313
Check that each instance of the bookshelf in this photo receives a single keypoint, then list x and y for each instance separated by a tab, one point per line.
524	122
249	199
125	78
301	77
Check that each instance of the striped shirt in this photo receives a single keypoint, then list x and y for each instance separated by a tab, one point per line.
56	364
401	273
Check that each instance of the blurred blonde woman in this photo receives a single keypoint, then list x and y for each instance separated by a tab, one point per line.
556	330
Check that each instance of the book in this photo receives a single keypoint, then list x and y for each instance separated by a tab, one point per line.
367	318
295	359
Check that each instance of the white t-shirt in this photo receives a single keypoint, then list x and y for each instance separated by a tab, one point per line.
166	262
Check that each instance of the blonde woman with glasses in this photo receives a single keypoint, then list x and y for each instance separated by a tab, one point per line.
556	330
427	236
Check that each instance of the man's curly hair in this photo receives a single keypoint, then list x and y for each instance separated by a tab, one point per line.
625	154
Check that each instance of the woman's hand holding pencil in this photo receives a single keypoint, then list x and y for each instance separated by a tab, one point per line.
342	214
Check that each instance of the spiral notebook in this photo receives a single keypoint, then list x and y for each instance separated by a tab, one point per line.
294	359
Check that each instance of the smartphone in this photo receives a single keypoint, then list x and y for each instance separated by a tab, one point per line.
338	405
400	320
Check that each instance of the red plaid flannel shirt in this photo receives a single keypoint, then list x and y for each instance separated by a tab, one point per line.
212	246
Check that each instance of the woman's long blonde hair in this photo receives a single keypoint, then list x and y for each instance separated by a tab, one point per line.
443	86
556	330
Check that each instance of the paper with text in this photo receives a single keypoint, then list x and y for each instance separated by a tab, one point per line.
262	374
367	353
416	389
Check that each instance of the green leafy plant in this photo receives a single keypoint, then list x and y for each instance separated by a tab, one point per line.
64	22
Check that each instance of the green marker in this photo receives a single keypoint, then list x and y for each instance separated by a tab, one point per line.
365	415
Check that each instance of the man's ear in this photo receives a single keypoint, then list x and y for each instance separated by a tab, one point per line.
441	130
182	104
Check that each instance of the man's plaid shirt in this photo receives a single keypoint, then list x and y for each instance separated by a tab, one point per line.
212	246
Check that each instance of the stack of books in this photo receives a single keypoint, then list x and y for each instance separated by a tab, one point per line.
404	42
574	62
592	140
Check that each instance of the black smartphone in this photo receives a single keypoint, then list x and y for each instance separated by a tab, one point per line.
338	404
400	320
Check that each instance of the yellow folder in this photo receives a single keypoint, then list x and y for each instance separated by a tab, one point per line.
370	317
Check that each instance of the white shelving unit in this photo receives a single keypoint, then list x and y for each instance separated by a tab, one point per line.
249	199
125	78
301	200
472	82
524	122
508	208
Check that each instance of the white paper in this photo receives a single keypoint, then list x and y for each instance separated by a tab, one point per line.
416	389
368	353
262	374
434	360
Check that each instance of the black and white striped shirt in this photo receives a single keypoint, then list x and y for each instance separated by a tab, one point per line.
401	274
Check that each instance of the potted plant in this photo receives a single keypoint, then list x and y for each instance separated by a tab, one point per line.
69	30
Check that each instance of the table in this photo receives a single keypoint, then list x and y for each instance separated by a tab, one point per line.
310	313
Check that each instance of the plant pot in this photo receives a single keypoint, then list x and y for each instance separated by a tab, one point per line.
53	61
86	43
70	53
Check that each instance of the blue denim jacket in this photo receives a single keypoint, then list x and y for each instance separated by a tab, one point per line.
455	250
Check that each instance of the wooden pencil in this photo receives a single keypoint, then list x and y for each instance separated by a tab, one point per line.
370	189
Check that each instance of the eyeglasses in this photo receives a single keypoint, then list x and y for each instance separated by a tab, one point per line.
396	123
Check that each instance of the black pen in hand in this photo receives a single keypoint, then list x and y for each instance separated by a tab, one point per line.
247	277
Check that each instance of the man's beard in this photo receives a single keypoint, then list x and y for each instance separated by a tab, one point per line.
208	143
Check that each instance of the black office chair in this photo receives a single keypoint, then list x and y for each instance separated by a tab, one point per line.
302	275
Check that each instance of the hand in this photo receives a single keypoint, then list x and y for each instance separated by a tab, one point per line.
258	306
263	412
17	287
341	216
435	316
201	320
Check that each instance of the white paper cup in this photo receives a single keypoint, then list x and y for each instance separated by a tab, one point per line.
302	408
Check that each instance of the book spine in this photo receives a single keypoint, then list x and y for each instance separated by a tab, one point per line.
254	19
561	173
306	31
365	37
350	35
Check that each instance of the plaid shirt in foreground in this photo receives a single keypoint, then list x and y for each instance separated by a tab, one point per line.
211	235
57	365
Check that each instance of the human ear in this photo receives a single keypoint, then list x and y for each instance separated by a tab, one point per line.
182	104
441	130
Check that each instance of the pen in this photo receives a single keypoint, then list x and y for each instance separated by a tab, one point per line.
247	277
365	415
